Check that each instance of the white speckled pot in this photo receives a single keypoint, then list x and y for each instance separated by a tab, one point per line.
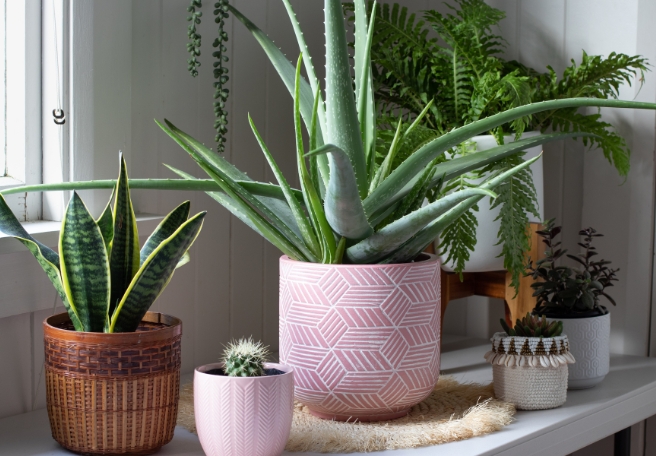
589	340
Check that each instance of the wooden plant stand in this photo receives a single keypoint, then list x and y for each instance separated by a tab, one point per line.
496	284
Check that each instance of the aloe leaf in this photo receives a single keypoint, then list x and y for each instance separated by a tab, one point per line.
153	276
84	266
301	218
106	224
425	236
203	185
310	196
227	202
286	72
317	183
343	128
48	259
391	237
165	229
461	165
342	205
271	226
386	166
417	161
124	257
200	153
309	69
363	81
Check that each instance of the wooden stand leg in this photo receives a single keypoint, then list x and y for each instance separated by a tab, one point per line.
496	284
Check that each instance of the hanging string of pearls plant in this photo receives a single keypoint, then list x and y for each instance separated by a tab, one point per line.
220	70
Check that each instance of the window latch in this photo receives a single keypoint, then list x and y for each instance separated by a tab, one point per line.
59	116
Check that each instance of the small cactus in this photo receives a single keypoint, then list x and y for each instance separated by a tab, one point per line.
244	358
534	326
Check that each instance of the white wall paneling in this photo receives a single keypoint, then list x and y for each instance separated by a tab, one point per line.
136	72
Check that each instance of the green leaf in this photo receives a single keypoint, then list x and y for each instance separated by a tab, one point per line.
391	237
282	214
308	185
301	218
124	258
165	229
343	128
106	224
48	259
153	276
84	266
343	206
270	225
417	243
364	87
286	71
417	161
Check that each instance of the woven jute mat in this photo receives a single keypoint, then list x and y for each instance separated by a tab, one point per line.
454	411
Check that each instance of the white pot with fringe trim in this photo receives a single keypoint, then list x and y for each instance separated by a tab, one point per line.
530	372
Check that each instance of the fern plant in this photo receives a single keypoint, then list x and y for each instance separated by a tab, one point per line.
465	79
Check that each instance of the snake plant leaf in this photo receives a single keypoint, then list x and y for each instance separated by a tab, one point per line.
106	224
420	159
425	236
341	115
286	72
165	229
199	151
391	237
461	165
85	266
48	259
124	258
153	275
281	235
301	218
343	205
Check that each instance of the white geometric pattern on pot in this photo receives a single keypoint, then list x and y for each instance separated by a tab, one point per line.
589	340
363	340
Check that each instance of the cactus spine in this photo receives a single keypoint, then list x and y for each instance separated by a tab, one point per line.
244	358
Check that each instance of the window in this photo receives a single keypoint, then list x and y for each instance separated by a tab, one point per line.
20	102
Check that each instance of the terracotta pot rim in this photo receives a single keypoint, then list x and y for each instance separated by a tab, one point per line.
432	258
172	328
288	370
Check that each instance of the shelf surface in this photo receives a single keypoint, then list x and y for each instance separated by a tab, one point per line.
626	396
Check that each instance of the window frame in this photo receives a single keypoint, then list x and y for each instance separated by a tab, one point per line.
24	77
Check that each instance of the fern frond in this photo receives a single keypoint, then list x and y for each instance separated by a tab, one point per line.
458	240
516	198
612	145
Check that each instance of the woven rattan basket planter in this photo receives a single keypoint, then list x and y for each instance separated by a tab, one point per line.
113	393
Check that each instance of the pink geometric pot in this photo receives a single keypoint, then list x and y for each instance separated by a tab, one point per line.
243	416
363	339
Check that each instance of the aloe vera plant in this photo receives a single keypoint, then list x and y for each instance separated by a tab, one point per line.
350	209
105	282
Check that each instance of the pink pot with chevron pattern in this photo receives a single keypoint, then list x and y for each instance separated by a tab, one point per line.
243	416
364	340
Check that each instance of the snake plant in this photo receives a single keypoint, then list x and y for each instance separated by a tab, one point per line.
104	281
347	210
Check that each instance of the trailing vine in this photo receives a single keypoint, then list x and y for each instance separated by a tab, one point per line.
220	71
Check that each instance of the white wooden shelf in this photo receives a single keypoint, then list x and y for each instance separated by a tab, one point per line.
625	397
